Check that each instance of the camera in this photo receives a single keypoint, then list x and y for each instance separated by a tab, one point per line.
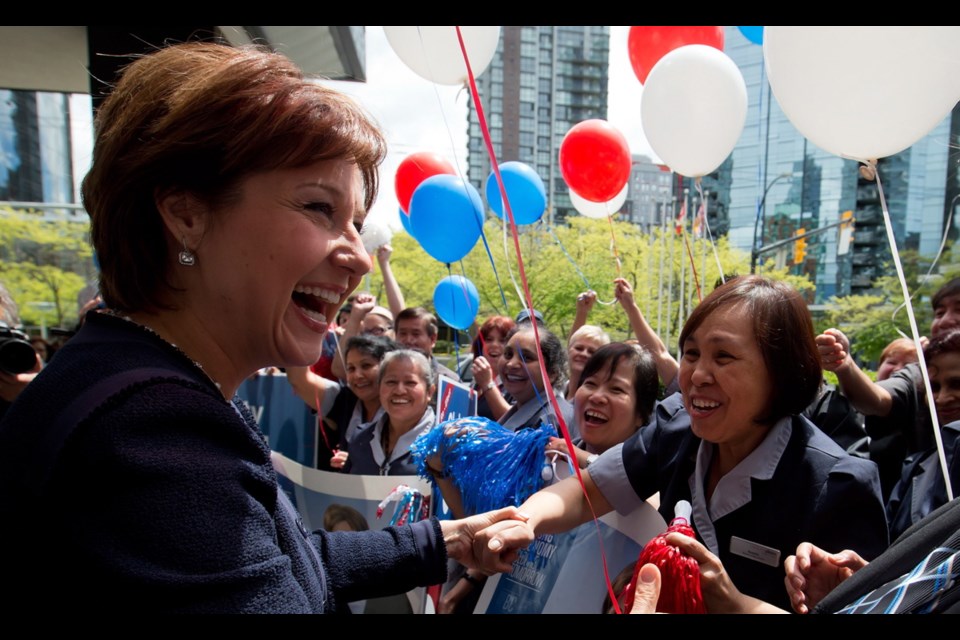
17	355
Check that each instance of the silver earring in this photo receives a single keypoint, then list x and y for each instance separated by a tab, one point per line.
187	258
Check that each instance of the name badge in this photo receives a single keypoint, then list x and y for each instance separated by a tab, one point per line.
755	551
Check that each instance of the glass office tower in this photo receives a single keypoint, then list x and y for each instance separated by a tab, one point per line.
779	182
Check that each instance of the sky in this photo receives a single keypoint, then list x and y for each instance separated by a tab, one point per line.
419	115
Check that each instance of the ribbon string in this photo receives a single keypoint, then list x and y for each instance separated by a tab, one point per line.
931	404
481	117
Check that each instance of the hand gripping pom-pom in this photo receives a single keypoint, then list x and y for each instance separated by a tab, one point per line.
680	574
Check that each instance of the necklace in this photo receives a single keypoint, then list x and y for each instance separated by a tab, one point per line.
178	350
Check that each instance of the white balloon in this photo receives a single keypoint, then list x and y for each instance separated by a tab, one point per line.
864	92
434	52
599	209
693	108
374	235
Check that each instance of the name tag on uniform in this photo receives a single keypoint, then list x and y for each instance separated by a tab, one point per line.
755	551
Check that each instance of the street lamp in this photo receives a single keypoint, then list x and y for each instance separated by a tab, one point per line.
755	251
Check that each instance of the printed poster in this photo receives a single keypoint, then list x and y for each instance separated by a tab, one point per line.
313	492
563	573
455	400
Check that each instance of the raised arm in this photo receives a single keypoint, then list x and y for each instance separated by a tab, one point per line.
667	366
362	304
395	299
310	387
864	394
585	302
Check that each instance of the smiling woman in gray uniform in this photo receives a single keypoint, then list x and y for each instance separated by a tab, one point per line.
760	477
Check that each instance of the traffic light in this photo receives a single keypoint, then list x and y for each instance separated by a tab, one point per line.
799	246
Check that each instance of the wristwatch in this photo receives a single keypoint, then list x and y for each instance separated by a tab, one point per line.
487	387
590	459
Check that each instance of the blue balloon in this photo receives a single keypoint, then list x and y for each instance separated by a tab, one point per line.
447	217
456	301
753	34
405	221
525	190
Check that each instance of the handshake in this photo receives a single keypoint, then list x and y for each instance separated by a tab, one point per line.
489	542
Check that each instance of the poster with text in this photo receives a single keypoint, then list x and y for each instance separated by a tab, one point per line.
286	420
456	400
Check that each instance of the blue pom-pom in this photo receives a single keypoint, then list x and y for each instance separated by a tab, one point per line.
492	466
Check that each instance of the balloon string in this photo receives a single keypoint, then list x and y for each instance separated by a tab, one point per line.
693	265
922	361
481	117
456	332
613	247
706	225
496	275
569	257
575	266
456	162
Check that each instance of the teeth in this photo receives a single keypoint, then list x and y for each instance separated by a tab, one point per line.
315	315
705	404
399	401
594	416
513	378
324	294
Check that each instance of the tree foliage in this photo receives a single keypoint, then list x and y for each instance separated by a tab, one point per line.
563	261
44	263
873	320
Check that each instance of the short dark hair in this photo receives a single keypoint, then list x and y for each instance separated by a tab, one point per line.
951	288
554	353
784	332
421	314
646	383
370	345
503	324
948	342
201	118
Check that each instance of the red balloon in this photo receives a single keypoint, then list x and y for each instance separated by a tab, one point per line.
595	160
647	45
416	168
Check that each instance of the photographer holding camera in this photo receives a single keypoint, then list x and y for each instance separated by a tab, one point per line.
19	361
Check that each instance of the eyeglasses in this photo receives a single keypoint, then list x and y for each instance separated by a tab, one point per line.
378	331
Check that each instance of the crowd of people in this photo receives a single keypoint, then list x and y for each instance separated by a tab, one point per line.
226	197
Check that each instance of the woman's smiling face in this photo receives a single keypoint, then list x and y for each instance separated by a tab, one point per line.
607	406
724	380
278	261
520	367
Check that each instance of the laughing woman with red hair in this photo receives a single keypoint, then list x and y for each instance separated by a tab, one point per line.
226	198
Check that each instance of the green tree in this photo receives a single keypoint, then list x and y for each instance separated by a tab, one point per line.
873	320
44	263
560	262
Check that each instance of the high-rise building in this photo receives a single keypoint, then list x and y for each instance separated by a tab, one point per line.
649	196
778	182
541	82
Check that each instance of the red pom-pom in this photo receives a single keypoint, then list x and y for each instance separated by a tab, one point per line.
680	574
